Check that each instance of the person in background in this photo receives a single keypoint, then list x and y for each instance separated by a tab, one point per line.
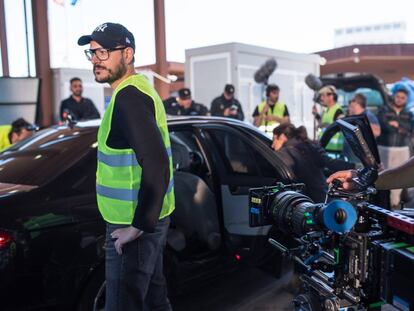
81	108
333	111
394	143
306	159
184	105
10	134
226	105
358	106
271	112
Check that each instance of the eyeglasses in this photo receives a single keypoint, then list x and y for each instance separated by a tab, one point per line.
101	53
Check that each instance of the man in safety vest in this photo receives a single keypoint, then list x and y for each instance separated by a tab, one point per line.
271	112
333	111
134	185
10	134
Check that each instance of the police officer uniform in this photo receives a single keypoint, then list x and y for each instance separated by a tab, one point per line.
173	107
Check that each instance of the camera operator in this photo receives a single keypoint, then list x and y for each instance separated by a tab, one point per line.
399	177
305	158
226	105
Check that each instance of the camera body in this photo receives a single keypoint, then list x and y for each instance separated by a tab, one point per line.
350	254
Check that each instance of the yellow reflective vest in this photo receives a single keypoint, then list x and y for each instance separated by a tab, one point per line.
4	136
278	111
118	175
337	141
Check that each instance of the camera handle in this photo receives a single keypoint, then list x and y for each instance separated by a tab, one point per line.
309	264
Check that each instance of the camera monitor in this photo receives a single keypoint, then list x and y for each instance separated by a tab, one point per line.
358	144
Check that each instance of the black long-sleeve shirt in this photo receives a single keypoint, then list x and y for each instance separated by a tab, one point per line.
219	104
134	126
308	160
391	136
83	110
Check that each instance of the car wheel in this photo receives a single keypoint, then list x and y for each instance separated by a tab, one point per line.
93	295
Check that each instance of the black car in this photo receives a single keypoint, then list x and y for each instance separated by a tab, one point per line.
52	235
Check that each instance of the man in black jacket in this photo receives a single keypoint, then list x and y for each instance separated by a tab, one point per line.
394	142
81	108
184	105
306	159
226	105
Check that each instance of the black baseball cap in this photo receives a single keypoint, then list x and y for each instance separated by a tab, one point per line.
19	124
184	93
229	89
109	35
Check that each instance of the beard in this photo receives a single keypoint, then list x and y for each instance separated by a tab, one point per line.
112	74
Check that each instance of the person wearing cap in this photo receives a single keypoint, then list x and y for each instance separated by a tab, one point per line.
271	112
134	180
10	134
333	111
184	105
226	105
81	108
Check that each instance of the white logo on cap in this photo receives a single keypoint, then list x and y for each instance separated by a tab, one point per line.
127	40
101	27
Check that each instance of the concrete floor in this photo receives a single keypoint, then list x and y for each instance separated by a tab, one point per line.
247	289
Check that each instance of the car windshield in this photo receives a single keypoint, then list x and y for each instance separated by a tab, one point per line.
45	155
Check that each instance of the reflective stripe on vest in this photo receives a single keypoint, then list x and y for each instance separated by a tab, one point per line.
336	142
118	176
124	194
121	159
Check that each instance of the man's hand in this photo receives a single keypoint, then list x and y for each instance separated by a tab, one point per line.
266	108
226	112
394	124
345	177
125	235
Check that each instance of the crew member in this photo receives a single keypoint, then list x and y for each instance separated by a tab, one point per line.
226	105
401	176
184	105
81	108
358	106
306	159
333	111
134	188
271	112
395	140
10	134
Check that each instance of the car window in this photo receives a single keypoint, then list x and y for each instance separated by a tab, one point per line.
45	155
186	153
240	156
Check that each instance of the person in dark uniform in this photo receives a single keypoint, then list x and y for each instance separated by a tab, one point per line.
184	105
306	159
226	105
81	108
